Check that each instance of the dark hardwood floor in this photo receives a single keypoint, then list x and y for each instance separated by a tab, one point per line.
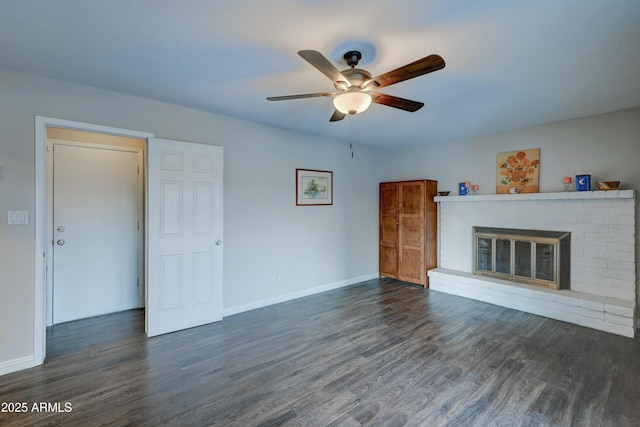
380	353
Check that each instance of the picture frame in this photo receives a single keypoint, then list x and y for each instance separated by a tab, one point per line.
314	187
583	182
518	171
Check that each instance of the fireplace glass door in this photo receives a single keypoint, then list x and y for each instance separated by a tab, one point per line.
522	266
503	256
545	262
485	254
528	256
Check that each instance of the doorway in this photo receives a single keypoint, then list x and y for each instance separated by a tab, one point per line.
96	224
43	235
184	186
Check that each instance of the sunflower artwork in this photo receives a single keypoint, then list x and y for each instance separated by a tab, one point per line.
518	171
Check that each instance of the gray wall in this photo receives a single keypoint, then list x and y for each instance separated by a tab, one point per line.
265	233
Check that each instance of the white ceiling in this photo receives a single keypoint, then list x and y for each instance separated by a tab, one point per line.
510	64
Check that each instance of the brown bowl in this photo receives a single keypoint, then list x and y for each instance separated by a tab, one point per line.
608	185
443	193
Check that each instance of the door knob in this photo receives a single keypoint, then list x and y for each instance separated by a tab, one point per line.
60	228
218	242
60	242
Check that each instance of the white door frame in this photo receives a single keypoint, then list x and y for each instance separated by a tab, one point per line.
42	251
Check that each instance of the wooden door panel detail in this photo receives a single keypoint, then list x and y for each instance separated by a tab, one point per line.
412	232
388	231
412	198
388	200
389	262
411	262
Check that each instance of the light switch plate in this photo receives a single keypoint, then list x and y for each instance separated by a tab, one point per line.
18	217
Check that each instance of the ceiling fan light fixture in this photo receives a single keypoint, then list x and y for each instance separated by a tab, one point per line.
352	102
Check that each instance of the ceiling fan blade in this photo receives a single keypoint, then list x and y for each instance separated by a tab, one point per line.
396	102
417	68
323	65
304	95
337	116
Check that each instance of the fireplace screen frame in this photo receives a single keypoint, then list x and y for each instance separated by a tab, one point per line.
559	241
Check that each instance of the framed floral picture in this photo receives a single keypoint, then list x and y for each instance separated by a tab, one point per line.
518	171
314	187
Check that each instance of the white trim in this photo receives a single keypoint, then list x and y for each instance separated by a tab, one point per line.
295	295
563	195
40	221
16	365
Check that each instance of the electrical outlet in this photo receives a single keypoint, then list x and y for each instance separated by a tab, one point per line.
280	277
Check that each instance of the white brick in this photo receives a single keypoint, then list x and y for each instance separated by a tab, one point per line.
592	305
588	244
610	219
621	265
608	327
574	210
580	195
620	307
609	237
611	274
619	320
592	314
622	248
624	229
617	256
594	228
622	211
575	219
588	262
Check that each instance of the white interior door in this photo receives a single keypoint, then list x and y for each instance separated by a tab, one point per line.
184	235
95	231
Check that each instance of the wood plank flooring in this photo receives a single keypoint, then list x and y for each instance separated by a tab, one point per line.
379	353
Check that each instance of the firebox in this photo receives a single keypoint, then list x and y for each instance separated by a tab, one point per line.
536	257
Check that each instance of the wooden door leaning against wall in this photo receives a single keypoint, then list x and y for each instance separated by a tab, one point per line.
408	230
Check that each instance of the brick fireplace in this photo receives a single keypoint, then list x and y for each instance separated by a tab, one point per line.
602	292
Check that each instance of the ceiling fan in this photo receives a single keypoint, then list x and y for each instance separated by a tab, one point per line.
355	87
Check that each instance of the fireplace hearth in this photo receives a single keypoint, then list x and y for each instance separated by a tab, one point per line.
536	257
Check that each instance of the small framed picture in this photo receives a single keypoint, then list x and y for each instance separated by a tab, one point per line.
583	182
313	187
462	188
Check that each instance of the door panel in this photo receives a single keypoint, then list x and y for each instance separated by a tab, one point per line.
412	232
388	230
95	217
184	235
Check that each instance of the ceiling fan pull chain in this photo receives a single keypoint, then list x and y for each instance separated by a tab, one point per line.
351	133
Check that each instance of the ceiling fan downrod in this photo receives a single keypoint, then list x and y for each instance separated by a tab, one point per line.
352	58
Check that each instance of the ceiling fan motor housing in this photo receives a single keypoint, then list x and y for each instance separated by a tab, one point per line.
356	76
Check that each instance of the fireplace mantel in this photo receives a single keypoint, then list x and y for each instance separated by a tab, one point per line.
561	195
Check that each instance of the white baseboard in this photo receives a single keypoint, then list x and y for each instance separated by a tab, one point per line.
303	293
16	365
